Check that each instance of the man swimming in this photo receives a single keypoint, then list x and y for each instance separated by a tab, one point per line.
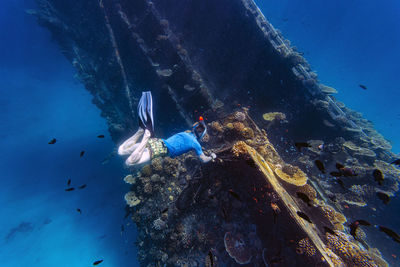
150	148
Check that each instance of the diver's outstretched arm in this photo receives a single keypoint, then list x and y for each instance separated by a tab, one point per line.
137	153
146	157
206	159
130	145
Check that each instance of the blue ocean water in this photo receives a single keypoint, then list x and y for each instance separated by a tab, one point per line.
39	100
349	42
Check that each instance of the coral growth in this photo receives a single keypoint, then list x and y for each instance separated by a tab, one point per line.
305	246
129	179
291	174
270	116
131	199
237	248
350	253
309	191
240	116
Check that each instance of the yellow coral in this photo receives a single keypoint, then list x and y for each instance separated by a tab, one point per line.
248	133
309	191
238	126
358	151
129	179
291	174
306	247
239	148
270	116
216	126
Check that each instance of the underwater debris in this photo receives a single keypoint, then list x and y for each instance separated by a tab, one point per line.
237	248
52	141
291	174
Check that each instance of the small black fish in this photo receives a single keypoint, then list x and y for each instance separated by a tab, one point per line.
164	210
384	197
320	165
100	136
211	258
332	198
339	166
304	197
82	153
70	189
52	141
341	183
396	162
363	86
69	182
299	145
363	222
329	230
304	216
353	228
82	186
97	262
348	172
390	233
234	194
336	174
79	210
378	175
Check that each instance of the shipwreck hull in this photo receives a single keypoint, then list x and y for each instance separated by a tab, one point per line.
211	58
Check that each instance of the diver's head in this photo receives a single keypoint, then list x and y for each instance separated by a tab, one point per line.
199	129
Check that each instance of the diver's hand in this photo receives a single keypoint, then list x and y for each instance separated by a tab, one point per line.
213	156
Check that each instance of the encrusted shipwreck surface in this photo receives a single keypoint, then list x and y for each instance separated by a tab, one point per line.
212	58
237	210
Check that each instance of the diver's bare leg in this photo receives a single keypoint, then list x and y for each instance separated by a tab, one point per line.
145	157
129	145
137	153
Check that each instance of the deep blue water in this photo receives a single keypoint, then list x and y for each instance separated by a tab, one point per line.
347	42
41	100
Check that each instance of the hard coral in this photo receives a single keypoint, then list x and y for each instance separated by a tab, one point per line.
309	191
156	164
146	170
270	116
306	247
236	248
291	174
129	179
131	199
350	253
240	116
239	148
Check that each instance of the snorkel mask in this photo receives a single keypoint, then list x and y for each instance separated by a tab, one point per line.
197	124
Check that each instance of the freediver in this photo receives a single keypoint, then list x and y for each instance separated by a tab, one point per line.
150	148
